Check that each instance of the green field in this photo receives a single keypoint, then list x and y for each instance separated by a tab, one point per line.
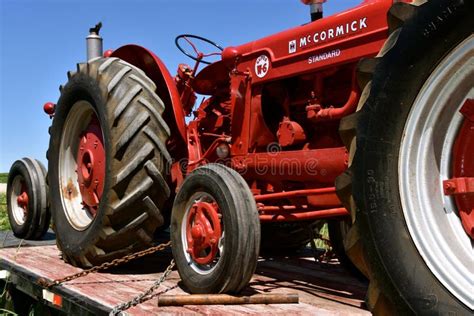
4	225
3	177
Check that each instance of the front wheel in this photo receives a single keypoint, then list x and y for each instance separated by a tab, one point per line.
215	231
27	199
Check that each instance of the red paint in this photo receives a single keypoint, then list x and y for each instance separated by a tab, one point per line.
91	165
108	53
49	108
317	165
203	231
57	300
457	186
291	194
290	133
353	45
275	103
183	80
317	114
23	198
305	216
462	183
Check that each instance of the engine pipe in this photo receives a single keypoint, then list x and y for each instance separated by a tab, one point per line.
284	209
315	165
316	8
304	216
331	113
94	42
292	194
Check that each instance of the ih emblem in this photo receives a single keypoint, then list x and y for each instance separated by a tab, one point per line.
262	64
292	46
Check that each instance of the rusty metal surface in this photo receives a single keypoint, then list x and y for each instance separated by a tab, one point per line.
225	299
323	288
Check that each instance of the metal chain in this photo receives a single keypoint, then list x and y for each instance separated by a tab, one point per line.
106	265
145	296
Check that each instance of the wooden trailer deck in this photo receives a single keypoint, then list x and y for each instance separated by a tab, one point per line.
323	288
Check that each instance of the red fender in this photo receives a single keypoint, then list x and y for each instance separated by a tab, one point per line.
166	89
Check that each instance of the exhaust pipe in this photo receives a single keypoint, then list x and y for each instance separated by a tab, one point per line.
316	8
94	42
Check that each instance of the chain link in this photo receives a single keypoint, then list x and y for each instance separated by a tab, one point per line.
145	296
106	265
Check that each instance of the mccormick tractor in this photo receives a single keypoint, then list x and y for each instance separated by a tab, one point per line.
364	119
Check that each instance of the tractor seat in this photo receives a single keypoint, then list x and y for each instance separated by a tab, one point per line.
211	79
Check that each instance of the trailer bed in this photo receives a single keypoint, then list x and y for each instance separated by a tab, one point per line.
323	288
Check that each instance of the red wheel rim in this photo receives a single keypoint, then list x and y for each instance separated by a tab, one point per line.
23	199
203	232
91	165
461	186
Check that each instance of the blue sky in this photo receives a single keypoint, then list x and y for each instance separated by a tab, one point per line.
40	40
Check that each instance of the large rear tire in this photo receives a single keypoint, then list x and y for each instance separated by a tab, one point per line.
108	162
406	234
338	230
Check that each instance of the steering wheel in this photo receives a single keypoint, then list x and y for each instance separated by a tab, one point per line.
199	55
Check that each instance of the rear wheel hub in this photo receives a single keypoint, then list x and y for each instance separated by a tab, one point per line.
81	165
91	165
461	186
435	159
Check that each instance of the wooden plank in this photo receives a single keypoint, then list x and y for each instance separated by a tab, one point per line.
324	289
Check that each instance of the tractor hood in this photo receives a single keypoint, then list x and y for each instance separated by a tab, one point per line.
335	32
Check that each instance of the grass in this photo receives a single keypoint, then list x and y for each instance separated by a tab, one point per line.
4	224
325	233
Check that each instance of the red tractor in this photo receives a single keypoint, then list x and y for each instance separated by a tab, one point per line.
364	118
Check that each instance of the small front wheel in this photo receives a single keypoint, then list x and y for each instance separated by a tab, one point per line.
27	199
215	231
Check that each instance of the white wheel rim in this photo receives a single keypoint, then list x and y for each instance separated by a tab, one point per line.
19	214
200	268
77	121
425	161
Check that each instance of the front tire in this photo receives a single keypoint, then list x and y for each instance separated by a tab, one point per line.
27	199
215	231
